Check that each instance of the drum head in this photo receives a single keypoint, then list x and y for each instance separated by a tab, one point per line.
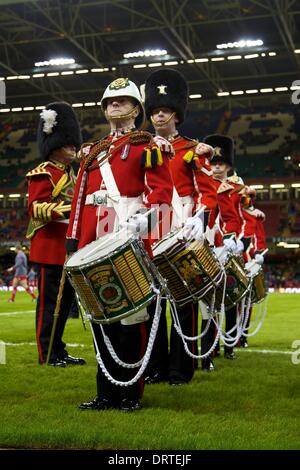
98	249
167	242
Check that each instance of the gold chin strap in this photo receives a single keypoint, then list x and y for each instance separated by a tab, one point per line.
122	116
156	124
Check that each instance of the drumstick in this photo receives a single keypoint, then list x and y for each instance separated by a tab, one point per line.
199	211
252	262
224	247
119	232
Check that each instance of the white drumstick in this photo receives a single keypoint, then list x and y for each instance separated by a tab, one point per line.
252	262
113	235
199	211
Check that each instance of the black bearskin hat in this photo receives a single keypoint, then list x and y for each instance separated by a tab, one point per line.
166	88
223	148
58	126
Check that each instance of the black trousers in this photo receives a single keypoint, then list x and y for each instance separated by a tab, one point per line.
49	277
129	343
174	362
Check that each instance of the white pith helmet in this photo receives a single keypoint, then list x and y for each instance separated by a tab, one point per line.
124	87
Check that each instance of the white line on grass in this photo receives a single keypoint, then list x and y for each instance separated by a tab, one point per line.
10	314
265	351
34	344
80	345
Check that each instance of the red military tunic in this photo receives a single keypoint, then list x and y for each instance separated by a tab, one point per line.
230	216
136	171
254	229
192	175
50	191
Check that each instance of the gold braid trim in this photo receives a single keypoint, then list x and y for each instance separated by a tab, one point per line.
140	137
99	147
59	186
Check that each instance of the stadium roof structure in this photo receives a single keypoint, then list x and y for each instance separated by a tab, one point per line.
98	33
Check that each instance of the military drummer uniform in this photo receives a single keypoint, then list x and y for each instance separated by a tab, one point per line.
140	168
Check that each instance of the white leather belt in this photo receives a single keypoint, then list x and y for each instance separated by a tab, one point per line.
97	198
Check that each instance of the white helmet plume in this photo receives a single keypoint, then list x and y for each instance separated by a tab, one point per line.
49	118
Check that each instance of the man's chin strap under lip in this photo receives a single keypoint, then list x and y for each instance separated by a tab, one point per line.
161	124
121	116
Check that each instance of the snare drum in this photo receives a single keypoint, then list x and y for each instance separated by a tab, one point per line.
259	290
189	267
237	281
113	277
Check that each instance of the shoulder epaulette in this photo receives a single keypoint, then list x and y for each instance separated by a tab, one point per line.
224	187
235	179
85	150
39	170
140	137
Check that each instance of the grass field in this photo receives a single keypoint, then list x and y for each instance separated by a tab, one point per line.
250	403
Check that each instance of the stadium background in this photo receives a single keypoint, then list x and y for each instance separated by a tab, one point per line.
249	93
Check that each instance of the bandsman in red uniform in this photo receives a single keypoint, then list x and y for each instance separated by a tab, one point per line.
166	95
139	173
50	191
230	219
254	239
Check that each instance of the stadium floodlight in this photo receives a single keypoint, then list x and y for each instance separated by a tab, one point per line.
251	56
295	185
242	44
55	62
257	186
171	62
195	96
223	93
14	195
155	64
277	186
202	59
140	66
145	53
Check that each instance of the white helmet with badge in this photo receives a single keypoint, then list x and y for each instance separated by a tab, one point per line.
124	87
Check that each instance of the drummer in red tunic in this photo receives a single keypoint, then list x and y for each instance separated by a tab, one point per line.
138	178
254	240
166	95
230	220
50	191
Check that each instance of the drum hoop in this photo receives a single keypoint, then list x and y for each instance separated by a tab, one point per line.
95	261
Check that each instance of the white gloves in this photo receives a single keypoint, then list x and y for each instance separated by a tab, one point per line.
239	246
194	228
203	149
259	214
259	259
138	223
230	245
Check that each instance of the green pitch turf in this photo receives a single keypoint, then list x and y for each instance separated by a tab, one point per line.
250	403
